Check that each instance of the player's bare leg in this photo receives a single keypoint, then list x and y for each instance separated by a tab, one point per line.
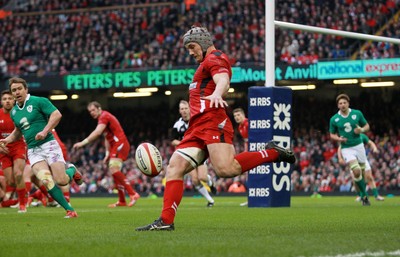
200	174
225	163
52	180
115	166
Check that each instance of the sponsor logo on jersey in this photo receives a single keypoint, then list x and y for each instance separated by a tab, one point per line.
222	124
354	117
4	135
29	108
192	85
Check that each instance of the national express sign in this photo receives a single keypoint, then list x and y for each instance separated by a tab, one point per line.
243	74
359	69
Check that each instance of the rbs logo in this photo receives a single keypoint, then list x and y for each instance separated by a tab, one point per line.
260	101
282	116
260	124
262	169
259	192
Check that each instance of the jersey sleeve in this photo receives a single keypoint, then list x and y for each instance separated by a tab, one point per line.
103	119
216	64
46	106
362	120
332	126
174	132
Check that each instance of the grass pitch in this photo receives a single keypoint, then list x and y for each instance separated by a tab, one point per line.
330	226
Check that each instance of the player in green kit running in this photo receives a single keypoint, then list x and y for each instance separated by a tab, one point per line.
34	118
367	172
345	127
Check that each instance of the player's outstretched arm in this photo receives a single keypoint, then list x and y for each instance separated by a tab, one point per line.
93	136
53	121
222	85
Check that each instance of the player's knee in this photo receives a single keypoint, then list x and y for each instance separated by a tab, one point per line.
10	182
18	178
225	172
45	177
61	180
114	165
356	169
195	181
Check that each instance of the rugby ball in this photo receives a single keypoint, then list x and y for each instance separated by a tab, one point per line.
148	159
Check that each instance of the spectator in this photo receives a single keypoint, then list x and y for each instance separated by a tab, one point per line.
3	68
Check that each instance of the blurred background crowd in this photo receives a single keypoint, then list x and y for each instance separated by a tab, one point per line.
45	37
51	36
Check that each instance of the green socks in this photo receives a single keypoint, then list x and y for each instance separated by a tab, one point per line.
70	172
58	195
375	192
361	186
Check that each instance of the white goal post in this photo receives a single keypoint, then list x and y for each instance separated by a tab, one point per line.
270	24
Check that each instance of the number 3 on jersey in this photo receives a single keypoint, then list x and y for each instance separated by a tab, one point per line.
347	127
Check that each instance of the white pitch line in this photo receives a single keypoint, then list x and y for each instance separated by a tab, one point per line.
365	254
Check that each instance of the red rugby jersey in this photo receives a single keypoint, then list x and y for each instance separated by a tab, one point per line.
203	83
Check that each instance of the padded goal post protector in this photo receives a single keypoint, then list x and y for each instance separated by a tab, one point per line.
270	118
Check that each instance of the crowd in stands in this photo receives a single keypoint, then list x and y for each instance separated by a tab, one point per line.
122	37
299	47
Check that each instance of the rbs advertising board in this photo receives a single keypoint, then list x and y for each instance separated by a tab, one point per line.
269	119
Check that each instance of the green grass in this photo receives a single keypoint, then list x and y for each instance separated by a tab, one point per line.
330	226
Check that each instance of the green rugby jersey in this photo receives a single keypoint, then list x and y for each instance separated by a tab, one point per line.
32	117
344	126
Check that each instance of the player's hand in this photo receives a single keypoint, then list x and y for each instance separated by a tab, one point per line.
342	139
358	130
40	136
77	145
342	161
375	150
215	101
3	146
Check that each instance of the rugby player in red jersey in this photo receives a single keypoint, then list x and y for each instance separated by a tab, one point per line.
14	159
210	132
117	150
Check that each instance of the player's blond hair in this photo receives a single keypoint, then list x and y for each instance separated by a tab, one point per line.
238	110
183	102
